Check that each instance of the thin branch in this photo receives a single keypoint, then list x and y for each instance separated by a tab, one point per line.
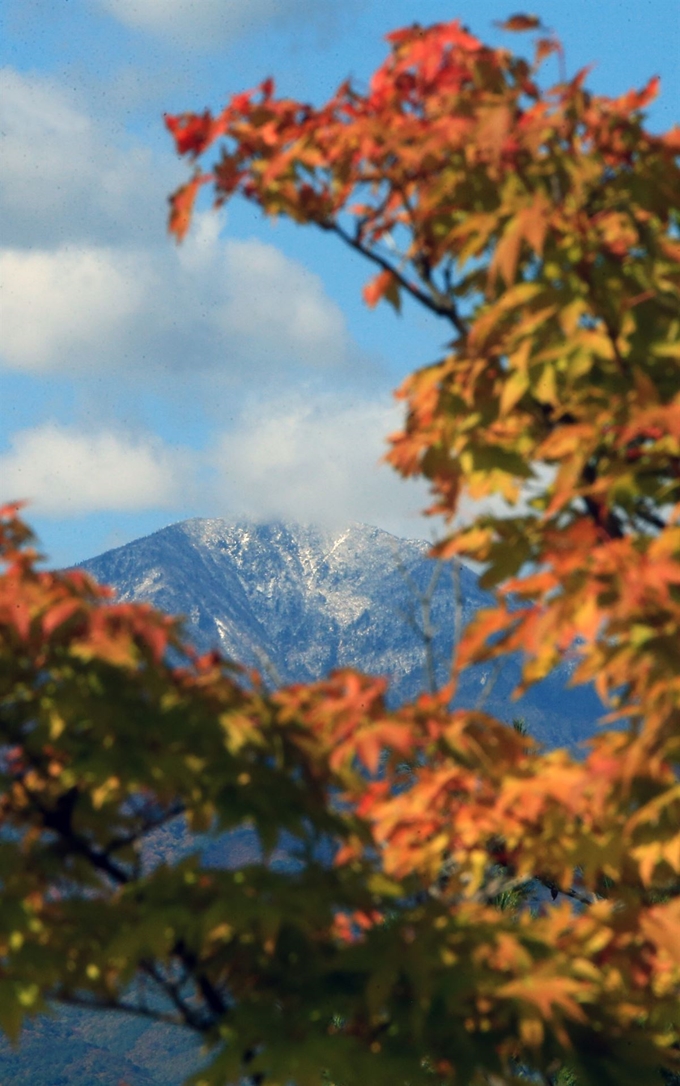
505	882
148	827
268	666
488	686
649	518
457	612
421	262
441	308
171	989
426	630
60	821
604	518
584	897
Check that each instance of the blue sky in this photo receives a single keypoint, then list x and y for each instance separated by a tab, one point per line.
239	374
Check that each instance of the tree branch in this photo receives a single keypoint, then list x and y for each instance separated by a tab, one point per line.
427	631
199	1023
649	518
59	820
442	309
149	827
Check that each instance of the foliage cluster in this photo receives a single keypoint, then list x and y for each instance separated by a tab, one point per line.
542	227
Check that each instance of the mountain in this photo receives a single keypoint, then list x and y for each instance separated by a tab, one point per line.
297	601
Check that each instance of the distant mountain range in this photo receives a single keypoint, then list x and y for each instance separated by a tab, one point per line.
294	602
298	601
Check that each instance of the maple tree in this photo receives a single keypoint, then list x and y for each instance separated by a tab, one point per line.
542	226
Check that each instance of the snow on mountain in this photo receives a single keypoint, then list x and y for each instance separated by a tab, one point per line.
298	601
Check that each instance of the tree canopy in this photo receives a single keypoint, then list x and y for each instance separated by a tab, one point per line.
542	226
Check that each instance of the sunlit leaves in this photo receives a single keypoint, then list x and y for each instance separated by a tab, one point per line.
182	206
542	227
101	748
549	219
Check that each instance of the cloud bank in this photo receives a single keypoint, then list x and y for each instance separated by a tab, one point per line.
309	458
98	300
67	178
91	280
65	472
237	307
60	306
210	23
316	459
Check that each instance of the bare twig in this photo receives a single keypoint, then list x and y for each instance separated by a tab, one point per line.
425	630
489	685
268	667
457	612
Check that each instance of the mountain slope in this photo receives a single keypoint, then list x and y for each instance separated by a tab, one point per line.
297	601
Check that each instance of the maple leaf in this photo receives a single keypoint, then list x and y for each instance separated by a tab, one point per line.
182	205
545	47
546	992
520	23
59	614
383	285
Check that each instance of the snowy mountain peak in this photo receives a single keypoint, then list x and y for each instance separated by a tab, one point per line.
296	601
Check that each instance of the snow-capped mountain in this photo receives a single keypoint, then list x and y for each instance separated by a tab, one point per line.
298	601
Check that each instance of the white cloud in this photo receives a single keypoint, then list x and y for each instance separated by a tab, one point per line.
206	23
91	281
63	472
305	458
277	304
65	177
64	304
92	289
238	308
316	459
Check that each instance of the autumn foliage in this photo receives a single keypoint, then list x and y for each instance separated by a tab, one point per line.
542	226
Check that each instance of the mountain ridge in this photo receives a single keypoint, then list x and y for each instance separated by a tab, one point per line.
298	601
